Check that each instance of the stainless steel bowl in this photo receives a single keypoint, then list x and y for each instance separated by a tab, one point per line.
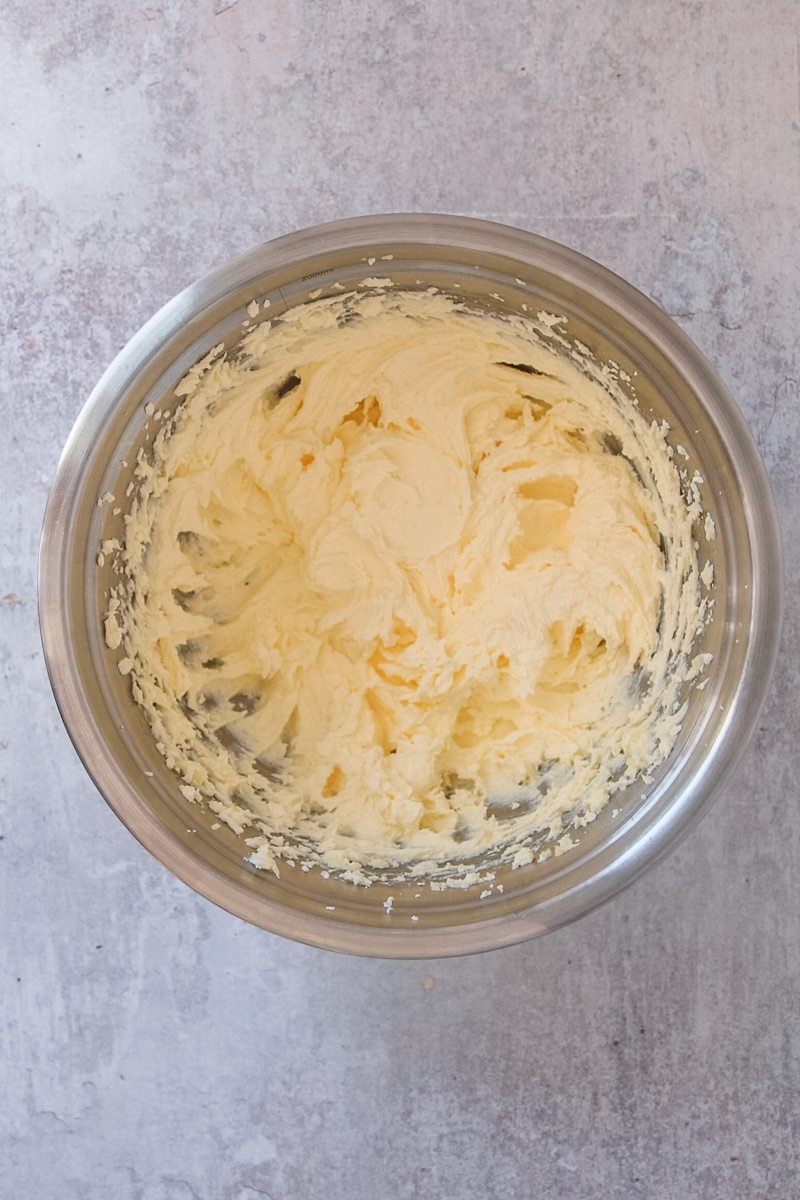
497	268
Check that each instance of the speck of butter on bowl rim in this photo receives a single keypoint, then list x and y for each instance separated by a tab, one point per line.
709	528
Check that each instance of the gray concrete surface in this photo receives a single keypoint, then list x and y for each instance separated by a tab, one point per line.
154	1048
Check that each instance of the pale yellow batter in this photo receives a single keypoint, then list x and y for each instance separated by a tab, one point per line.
409	586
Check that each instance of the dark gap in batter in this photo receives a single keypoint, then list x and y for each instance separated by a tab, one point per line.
508	810
662	545
616	773
228	739
189	542
242	802
661	609
635	469
641	681
183	598
291	381
452	783
188	652
544	771
526	368
612	444
268	770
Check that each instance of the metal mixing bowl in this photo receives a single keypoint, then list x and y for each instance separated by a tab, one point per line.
497	268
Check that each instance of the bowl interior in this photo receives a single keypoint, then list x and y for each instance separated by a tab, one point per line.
110	731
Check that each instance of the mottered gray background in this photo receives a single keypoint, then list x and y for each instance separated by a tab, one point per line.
154	1048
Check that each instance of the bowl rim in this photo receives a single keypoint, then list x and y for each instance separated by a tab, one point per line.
586	889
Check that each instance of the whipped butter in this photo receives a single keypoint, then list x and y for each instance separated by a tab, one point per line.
402	584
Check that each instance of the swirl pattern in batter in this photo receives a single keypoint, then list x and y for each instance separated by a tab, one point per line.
402	584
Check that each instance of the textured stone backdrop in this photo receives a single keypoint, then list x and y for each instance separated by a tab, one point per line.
154	1048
